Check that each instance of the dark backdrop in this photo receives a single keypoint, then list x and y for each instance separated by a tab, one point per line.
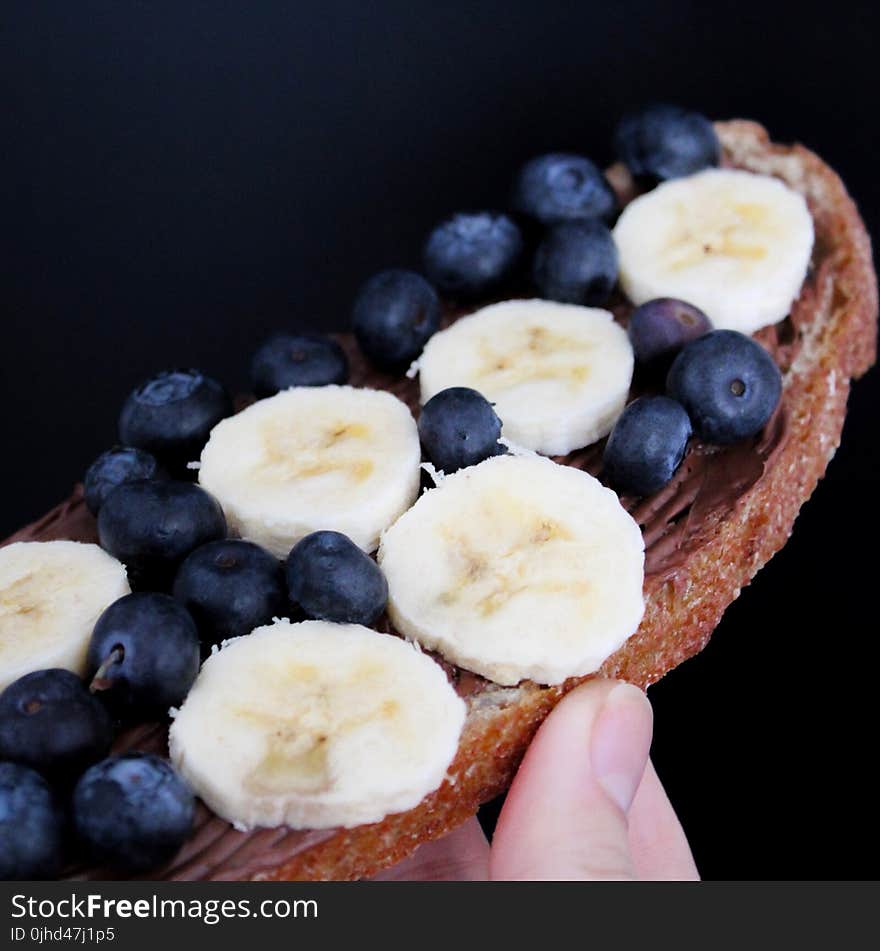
180	178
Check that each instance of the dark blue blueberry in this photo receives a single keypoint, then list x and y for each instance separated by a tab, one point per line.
563	187
151	526
31	826
659	328
662	141
576	263
472	254
646	446
331	579
230	587
50	722
172	413
132	812
144	655
286	360
458	427
728	384
395	314
115	466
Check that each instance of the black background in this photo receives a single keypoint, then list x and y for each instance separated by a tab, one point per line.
178	179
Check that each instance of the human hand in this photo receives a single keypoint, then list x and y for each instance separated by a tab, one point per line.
586	804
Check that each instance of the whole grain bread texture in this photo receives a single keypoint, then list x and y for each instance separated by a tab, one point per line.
836	345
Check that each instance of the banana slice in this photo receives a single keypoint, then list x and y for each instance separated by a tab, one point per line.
51	594
310	458
736	245
558	374
315	725
517	568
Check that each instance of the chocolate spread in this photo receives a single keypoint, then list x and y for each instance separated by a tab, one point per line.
674	521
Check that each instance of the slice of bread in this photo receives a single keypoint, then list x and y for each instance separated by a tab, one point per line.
707	534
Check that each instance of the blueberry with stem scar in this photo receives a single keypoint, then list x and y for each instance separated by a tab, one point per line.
143	656
50	722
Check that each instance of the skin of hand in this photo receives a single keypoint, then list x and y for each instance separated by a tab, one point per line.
585	805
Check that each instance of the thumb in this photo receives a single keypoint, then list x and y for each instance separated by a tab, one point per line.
565	817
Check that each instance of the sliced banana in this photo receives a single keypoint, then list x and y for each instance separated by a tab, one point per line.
51	595
735	244
310	458
315	725
517	568
558	374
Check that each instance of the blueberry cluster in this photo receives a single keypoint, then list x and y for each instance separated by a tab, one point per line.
555	239
721	386
59	785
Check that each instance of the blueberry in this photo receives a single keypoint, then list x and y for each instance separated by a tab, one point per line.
576	263
115	466
172	413
458	427
144	655
31	825
286	360
659	328
132	812
662	141
728	384
230	587
395	314
563	187
473	254
331	579
646	446
50	722
151	526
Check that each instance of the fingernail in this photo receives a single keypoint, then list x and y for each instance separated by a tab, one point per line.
621	743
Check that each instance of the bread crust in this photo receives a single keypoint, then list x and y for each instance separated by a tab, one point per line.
682	609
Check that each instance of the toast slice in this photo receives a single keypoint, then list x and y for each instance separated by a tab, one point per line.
707	534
